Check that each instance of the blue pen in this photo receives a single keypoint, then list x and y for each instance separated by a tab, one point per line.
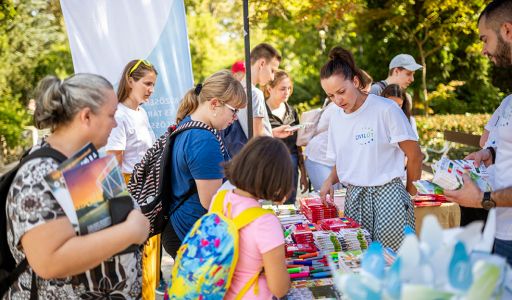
321	275
303	262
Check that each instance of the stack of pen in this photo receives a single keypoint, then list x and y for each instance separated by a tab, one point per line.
287	220
336	224
311	265
295	250
354	239
326	241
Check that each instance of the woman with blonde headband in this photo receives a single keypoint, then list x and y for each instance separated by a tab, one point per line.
130	140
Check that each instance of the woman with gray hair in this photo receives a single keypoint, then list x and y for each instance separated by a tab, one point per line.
62	265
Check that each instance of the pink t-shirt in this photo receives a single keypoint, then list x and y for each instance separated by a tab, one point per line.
260	236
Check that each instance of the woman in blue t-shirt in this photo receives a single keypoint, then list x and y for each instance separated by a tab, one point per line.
198	154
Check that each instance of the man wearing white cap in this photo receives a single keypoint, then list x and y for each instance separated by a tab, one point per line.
401	72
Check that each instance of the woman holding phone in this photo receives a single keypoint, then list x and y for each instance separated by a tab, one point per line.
277	92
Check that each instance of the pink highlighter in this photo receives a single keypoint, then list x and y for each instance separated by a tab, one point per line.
299	275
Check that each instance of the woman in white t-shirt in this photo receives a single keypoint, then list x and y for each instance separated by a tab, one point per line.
133	136
368	138
129	141
318	165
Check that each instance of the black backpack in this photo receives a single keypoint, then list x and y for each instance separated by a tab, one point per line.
9	271
150	183
382	84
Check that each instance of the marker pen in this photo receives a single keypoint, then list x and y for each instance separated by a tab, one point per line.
321	275
308	255
298	270
319	269
299	275
294	266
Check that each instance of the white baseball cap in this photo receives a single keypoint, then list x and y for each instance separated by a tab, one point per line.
405	61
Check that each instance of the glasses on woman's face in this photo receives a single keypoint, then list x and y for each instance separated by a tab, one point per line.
232	109
145	62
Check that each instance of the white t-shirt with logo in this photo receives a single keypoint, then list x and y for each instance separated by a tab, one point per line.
364	143
133	135
502	132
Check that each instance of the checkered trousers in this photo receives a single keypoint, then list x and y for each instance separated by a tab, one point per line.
382	210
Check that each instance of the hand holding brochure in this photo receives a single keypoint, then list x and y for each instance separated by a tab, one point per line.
88	187
91	186
58	186
448	174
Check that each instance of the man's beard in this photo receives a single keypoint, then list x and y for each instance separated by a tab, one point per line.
503	53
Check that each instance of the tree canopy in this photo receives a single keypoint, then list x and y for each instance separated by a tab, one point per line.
440	34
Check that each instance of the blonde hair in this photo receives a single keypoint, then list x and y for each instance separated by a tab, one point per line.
279	76
221	85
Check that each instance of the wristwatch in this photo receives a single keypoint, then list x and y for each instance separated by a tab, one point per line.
487	202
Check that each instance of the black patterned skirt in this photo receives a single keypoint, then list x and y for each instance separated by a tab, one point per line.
382	210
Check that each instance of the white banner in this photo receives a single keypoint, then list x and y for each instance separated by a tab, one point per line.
104	35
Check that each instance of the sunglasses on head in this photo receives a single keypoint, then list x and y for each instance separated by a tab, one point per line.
135	66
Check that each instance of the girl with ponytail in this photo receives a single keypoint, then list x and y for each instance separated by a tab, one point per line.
368	138
197	154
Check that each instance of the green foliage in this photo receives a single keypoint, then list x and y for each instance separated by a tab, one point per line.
215	35
33	44
14	118
431	128
443	36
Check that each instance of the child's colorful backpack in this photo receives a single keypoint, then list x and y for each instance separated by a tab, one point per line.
207	259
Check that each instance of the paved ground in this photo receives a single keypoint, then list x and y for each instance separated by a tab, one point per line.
167	263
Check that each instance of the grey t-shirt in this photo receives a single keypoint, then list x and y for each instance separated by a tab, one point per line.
258	111
377	87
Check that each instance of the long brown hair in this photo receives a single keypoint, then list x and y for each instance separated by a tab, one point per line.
394	90
341	62
123	90
279	76
270	178
221	85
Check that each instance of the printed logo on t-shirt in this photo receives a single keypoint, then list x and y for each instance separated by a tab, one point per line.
506	114
364	136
